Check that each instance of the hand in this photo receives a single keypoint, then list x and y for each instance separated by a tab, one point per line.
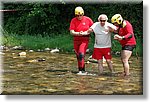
115	30
84	33
117	37
110	29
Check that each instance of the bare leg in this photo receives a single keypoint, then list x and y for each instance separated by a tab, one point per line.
110	66
125	55
100	66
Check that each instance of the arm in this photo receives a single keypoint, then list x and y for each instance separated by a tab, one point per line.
129	33
87	32
118	37
128	36
113	28
90	30
72	32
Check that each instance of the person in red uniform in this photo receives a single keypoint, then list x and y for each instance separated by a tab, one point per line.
78	27
126	38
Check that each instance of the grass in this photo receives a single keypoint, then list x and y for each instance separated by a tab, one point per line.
64	42
38	42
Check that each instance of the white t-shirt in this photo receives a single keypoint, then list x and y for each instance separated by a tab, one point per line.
102	35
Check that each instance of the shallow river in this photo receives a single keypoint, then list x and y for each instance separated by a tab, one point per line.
56	74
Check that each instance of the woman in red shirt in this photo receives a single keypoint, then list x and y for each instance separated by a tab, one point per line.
79	25
126	38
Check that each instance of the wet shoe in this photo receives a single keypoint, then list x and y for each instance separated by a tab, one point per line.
82	73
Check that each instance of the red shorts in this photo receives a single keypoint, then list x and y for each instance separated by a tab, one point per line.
98	53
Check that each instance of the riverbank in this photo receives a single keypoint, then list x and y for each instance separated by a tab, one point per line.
63	42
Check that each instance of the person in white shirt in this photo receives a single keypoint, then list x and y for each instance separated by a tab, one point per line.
102	46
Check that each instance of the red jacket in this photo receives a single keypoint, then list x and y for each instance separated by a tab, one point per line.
127	32
81	25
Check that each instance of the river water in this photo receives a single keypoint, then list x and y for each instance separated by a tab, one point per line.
46	73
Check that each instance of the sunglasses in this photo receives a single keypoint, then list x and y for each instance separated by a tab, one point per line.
103	20
78	15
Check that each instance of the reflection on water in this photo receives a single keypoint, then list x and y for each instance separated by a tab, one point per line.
46	73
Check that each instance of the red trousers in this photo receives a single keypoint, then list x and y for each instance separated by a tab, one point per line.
80	50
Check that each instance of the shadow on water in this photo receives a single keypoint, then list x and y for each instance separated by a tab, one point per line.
44	73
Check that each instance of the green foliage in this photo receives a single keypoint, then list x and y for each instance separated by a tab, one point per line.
44	18
53	19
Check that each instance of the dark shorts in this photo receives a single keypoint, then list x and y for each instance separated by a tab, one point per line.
128	47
